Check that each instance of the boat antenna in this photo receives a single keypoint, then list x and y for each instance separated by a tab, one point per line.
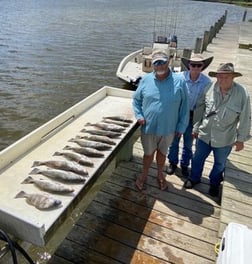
166	20
154	31
175	22
173	12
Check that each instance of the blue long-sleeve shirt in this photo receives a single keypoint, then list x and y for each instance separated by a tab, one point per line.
163	104
195	88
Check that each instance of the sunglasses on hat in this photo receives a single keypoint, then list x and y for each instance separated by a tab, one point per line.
159	62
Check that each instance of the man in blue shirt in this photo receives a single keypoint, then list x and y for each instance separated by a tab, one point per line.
196	83
161	107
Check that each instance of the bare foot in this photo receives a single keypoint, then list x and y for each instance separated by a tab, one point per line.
163	184
140	183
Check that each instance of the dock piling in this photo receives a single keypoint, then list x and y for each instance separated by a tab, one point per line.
201	44
198	45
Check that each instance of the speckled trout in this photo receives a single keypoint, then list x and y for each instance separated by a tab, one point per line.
79	158
116	122
90	152
40	201
91	144
62	165
49	186
103	139
59	174
101	132
106	126
120	118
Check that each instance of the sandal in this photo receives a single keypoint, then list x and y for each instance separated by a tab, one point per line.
140	184
163	185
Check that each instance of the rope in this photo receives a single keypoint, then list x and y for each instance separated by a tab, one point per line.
217	248
12	245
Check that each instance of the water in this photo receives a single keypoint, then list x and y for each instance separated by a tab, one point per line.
55	53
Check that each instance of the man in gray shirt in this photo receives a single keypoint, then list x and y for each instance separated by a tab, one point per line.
222	121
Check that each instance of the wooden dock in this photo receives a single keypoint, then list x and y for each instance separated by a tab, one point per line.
123	225
233	44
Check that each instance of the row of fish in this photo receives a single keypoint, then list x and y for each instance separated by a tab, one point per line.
101	138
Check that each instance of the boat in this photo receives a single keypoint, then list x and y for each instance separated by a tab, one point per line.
29	224
135	65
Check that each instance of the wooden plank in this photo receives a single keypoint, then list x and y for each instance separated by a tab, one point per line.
137	240
76	252
240	208
56	259
232	216
151	203
239	184
234	176
197	202
160	218
236	194
105	238
241	159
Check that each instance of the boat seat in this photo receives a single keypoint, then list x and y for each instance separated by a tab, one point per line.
173	44
147	50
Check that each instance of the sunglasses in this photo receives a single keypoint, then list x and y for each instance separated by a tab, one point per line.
159	62
198	65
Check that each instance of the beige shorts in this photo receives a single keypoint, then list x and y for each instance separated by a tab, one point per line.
152	143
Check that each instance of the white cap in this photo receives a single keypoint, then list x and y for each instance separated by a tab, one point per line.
159	55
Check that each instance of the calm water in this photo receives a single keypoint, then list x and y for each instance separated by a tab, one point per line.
55	53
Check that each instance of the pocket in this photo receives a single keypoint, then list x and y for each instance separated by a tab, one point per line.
230	114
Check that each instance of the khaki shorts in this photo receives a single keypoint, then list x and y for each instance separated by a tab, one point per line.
152	143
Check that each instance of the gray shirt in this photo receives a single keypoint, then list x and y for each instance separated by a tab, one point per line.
220	120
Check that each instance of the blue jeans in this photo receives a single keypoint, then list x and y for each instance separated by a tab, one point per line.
187	148
201	153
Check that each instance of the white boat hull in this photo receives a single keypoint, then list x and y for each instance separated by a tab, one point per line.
135	65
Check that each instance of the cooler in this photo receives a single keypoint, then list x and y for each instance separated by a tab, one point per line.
236	245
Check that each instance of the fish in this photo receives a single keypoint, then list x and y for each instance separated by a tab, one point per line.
103	139
62	165
90	152
79	158
59	174
106	126
49	186
119	118
40	201
119	123
91	144
100	132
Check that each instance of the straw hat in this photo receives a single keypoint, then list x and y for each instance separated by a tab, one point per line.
225	68
197	57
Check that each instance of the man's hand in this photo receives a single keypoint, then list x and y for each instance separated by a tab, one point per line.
239	146
141	121
178	134
195	135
